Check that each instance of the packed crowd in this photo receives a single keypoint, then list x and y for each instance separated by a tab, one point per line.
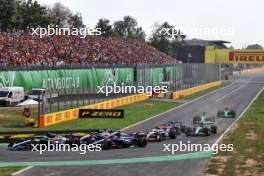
23	49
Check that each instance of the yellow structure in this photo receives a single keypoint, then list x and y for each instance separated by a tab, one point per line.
231	56
185	92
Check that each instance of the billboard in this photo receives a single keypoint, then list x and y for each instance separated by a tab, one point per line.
101	113
246	56
66	78
231	56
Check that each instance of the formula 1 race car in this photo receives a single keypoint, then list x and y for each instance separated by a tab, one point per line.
26	144
156	134
106	139
203	119
178	125
201	130
226	113
115	140
163	131
203	126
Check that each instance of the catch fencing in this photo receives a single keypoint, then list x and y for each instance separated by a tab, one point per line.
176	77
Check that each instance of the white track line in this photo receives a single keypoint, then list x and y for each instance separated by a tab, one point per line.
244	111
21	170
177	107
221	98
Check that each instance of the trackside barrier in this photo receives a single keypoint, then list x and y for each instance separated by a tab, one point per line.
73	114
252	70
185	92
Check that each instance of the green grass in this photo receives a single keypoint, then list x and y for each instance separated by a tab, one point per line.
133	113
248	142
7	171
12	119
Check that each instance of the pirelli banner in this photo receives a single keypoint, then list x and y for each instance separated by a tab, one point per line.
248	57
228	56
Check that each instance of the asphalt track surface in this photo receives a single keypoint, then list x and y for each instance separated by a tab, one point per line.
237	95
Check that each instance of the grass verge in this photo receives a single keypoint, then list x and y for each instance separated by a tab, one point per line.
247	137
12	121
7	171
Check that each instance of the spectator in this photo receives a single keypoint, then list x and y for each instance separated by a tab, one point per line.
22	49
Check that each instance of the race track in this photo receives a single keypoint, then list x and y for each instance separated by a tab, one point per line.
237	95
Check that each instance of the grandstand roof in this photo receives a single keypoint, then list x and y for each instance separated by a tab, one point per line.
201	42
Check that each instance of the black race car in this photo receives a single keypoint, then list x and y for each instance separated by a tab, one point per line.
115	139
178	125
27	144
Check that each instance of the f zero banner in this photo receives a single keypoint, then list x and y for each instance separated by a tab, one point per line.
246	57
101	113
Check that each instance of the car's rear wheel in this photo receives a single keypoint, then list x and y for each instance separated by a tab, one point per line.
188	131
182	128
159	137
142	142
214	129
172	133
107	145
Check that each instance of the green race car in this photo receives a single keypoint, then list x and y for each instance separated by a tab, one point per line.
203	126
203	119
201	130
227	113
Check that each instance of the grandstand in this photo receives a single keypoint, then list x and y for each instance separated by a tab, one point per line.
20	48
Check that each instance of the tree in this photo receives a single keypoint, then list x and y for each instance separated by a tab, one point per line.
60	14
24	14
255	46
140	33
119	29
7	14
105	26
75	21
166	38
159	40
31	14
127	28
